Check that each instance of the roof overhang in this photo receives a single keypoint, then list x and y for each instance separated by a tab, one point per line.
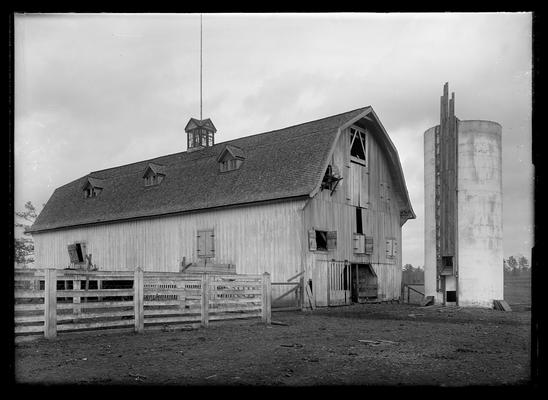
369	115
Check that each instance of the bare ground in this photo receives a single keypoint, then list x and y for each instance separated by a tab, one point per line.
451	347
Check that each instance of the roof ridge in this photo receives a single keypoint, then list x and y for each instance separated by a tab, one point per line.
229	141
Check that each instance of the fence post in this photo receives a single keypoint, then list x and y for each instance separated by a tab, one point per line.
138	300
267	298
50	303
76	309
408	294
301	293
205	300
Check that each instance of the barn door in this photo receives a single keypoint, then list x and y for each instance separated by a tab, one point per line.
367	283
338	275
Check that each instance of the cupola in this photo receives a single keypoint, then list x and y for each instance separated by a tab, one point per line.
200	133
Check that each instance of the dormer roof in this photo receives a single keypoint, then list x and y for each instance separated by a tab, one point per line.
93	182
234	151
157	169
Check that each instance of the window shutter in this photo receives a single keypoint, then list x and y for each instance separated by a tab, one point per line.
312	240
72	253
201	244
210	244
369	245
331	240
83	248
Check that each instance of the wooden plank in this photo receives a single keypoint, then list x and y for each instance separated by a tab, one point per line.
293	290
235	300
95	293
219	317
138	299
95	325
108	314
50	304
76	307
149	303
28	319
26	294
267	298
173	311
29	329
165	320
29	307
164	292
213	311
205	301
239	292
98	304
285	283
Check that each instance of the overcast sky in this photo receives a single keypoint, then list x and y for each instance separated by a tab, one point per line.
96	91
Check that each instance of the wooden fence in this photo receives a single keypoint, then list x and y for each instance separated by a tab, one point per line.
50	301
410	293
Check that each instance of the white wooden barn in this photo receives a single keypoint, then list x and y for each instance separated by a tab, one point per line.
325	200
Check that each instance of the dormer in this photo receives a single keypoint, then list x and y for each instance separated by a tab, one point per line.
200	133
230	158
154	174
92	187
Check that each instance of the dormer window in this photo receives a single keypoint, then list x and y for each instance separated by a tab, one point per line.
230	158
154	174
92	187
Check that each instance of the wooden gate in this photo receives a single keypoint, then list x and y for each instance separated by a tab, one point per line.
338	283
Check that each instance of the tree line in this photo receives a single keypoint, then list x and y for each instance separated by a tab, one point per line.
513	266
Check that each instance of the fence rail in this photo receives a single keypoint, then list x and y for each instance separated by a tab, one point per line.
411	294
48	301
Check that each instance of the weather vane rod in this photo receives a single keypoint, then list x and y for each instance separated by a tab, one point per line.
200	67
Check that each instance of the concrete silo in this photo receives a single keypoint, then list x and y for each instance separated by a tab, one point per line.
463	210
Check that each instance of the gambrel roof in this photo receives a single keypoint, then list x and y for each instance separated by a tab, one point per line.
280	164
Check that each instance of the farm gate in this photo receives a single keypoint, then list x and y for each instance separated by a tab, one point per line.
48	301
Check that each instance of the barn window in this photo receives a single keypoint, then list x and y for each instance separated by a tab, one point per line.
359	227
331	178
206	243
91	191
322	240
358	146
230	158
77	252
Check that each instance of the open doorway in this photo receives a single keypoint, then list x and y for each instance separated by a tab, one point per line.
364	283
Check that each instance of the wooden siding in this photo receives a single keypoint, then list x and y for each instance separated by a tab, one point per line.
336	212
257	239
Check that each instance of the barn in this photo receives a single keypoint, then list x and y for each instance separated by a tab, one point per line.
322	202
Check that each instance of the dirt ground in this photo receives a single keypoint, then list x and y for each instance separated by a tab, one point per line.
425	346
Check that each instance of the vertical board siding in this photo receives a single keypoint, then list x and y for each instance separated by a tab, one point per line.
381	218
257	239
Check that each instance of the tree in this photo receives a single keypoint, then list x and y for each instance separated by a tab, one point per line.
523	263
24	246
513	264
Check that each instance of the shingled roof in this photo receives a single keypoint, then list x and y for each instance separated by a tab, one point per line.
279	164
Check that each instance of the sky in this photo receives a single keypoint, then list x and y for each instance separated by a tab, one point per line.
93	91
